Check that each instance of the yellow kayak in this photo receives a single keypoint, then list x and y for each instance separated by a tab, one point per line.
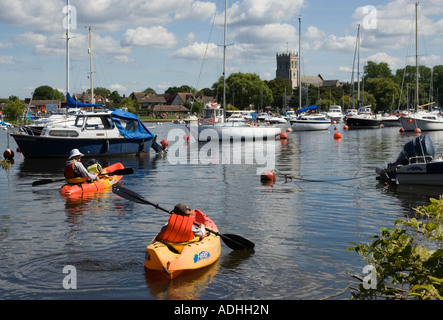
176	257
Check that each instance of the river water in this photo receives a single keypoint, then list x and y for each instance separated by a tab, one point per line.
301	226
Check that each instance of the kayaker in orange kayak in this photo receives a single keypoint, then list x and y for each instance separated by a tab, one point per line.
75	171
180	226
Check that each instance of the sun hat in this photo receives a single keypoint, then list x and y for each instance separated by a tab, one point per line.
75	153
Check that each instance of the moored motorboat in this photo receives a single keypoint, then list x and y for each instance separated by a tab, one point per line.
88	187
177	257
364	120
417	164
335	113
310	122
94	133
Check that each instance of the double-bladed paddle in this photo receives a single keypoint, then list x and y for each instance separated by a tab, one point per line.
233	241
118	172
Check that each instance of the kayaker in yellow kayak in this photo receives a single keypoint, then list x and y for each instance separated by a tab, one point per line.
75	171
180	226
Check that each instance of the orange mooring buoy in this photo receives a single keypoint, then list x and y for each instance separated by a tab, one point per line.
402	130
345	127
268	175
283	135
164	143
288	130
337	135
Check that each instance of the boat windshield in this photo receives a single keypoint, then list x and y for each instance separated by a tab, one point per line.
94	122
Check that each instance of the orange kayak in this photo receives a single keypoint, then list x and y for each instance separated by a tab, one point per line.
176	257
102	184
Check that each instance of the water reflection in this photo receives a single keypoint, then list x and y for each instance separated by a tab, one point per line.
190	285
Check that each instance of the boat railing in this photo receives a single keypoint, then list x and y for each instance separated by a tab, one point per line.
420	159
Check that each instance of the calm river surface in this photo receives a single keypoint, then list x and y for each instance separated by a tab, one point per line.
301	228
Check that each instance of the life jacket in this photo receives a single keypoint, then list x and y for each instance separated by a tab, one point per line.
178	229
71	175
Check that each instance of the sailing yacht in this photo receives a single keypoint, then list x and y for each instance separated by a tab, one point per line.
425	120
364	119
224	130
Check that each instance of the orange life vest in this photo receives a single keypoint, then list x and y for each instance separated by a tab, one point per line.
178	229
70	172
71	175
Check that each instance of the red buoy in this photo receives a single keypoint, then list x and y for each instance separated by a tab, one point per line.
283	135
345	127
164	143
186	137
337	135
268	175
402	130
288	130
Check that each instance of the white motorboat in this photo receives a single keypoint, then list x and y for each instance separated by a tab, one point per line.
335	113
417	164
311	122
236	117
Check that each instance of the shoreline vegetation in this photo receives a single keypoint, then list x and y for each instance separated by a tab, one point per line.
407	260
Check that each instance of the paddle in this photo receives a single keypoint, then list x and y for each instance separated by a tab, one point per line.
119	172
233	241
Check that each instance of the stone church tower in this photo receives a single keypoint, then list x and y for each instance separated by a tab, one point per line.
287	67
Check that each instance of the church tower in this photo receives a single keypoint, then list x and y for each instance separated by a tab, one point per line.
287	67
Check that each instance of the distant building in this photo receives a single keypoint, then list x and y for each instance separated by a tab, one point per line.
287	67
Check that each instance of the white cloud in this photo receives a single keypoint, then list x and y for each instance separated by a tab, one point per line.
157	37
122	59
7	60
117	87
259	12
196	51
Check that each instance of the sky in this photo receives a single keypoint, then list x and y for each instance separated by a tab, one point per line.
140	44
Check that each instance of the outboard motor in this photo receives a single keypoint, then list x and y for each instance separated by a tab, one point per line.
421	146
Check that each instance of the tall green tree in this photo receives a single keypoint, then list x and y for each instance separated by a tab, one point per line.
279	88
386	93
244	90
47	93
376	70
14	109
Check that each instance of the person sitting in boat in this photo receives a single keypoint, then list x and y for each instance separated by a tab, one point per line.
180	226
75	171
95	167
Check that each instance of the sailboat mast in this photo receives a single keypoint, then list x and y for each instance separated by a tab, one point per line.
299	58
90	62
416	55
358	66
68	25
224	62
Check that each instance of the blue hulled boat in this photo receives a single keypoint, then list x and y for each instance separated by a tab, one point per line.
94	133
